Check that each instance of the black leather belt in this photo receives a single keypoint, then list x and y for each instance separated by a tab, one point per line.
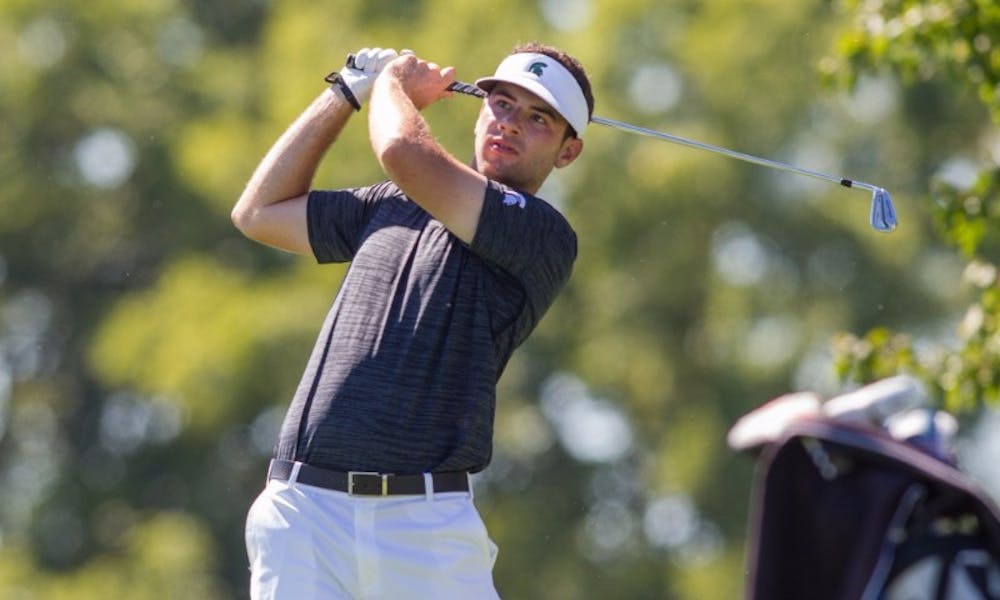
360	483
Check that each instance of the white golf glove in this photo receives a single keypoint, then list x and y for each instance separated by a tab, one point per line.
358	75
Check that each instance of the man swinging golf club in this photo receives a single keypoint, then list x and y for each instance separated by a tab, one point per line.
452	266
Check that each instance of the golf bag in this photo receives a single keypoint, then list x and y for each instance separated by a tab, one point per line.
843	510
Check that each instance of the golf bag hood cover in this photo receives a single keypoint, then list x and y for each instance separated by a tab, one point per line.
829	503
545	77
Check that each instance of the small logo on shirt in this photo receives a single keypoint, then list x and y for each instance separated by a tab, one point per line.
514	199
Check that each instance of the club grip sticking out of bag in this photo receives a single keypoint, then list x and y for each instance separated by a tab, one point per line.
876	402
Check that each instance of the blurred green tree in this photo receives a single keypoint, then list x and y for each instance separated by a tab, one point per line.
940	52
147	351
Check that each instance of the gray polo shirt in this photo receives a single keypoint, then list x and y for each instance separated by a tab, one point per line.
402	378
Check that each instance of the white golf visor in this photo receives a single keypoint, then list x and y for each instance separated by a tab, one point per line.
547	79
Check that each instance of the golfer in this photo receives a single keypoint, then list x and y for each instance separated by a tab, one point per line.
453	263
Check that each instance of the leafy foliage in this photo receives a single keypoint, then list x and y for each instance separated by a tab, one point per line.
147	351
930	45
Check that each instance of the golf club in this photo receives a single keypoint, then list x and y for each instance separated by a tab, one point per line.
882	216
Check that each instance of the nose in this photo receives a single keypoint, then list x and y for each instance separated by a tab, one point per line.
509	122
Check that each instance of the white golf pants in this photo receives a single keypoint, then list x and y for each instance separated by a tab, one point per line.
307	542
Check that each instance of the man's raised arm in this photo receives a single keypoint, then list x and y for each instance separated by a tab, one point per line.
451	191
272	208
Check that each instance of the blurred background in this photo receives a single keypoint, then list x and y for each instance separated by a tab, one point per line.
148	351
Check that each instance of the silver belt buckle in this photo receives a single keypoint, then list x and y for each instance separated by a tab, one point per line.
383	491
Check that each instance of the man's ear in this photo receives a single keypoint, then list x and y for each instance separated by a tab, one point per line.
571	148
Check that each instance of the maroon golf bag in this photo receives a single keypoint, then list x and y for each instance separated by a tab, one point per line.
843	510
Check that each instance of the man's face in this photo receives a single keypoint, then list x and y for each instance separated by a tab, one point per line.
520	138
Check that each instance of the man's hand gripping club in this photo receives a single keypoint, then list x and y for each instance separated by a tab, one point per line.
357	77
450	190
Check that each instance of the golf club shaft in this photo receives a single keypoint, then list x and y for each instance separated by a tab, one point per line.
731	153
471	90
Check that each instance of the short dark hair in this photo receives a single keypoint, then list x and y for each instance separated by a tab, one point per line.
572	65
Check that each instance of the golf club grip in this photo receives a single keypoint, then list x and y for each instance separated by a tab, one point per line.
456	86
466	88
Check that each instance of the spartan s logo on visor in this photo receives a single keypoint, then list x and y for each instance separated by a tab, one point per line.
537	68
545	77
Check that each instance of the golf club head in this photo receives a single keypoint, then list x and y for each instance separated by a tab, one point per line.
883	217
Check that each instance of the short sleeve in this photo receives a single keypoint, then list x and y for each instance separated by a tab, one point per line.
337	220
528	238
